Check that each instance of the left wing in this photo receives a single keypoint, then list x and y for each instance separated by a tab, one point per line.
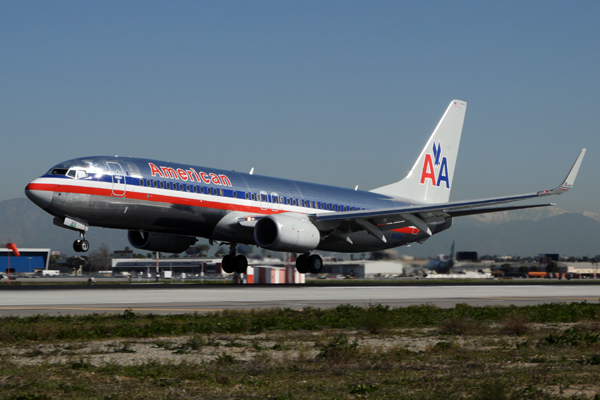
376	221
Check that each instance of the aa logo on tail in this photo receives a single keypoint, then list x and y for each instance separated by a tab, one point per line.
437	164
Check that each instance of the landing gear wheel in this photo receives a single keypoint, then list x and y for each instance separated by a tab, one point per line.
315	264
84	245
240	264
302	264
77	246
227	264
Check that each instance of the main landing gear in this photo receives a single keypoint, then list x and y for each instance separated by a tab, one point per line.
309	263
234	263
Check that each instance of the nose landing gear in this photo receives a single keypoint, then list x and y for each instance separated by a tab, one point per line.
81	245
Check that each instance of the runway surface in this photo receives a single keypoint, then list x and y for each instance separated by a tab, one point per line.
202	299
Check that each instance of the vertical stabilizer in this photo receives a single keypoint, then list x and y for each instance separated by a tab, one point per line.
431	177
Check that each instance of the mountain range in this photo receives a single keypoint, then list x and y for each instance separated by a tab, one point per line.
523	233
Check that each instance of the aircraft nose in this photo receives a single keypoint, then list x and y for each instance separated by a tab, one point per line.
41	198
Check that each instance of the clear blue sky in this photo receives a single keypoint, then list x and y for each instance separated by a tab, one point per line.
336	92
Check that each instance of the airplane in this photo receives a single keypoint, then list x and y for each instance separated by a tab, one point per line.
444	264
165	206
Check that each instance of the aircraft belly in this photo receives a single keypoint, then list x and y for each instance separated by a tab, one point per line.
132	214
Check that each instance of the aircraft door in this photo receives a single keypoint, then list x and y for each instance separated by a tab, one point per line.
274	202
119	185
264	200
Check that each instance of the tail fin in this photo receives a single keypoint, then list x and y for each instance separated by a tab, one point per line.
430	179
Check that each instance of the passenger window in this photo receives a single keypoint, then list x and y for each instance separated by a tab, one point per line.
288	201
252	196
275	200
155	183
195	189
234	194
221	192
162	185
247	196
312	204
189	189
141	182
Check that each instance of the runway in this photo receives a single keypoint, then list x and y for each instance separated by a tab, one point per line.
202	299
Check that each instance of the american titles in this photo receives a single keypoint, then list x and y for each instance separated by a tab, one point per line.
189	175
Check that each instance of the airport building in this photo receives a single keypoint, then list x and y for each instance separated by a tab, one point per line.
149	267
146	267
29	261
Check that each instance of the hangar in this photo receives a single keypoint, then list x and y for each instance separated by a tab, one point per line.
30	260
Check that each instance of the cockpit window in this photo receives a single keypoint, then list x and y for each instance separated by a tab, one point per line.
58	171
76	173
73	173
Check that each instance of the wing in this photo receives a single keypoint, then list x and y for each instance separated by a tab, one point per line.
423	216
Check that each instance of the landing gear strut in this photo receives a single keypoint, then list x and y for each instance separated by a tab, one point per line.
81	245
309	263
234	263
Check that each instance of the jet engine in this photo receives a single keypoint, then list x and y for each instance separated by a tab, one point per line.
286	233
162	242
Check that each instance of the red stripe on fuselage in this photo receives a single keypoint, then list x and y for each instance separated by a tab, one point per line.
156	198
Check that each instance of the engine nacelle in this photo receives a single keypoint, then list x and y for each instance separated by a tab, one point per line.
162	242
286	233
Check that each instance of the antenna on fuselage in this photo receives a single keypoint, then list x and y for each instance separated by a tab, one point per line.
356	188
251	171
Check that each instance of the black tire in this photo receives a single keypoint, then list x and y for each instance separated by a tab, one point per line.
227	264
77	246
84	245
302	264
315	264
240	264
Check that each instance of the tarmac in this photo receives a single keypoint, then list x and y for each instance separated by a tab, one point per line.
175	299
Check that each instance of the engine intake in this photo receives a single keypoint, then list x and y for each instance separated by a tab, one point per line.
162	242
286	233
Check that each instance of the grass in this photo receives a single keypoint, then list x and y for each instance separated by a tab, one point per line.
375	319
550	351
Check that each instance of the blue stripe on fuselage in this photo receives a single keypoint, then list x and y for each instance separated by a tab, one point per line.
136	169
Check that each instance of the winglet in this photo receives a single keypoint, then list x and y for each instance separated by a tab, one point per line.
569	180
